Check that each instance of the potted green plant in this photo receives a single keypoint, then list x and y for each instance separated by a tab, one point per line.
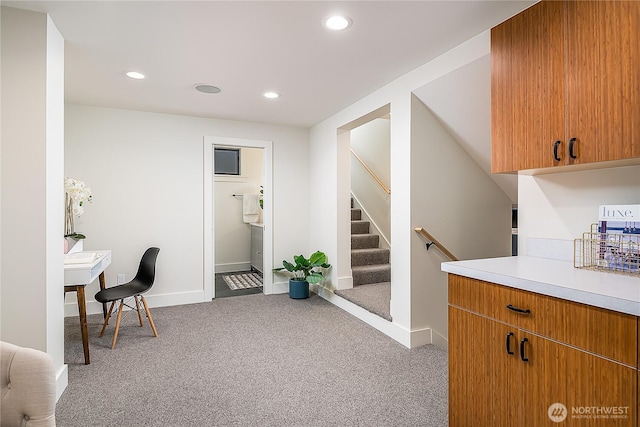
304	271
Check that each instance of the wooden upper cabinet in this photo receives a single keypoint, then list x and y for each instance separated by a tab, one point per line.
527	88
565	75
603	79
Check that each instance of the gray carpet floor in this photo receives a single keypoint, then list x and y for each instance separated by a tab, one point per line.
252	360
374	297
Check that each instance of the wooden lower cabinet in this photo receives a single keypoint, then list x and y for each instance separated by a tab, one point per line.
502	375
593	389
471	394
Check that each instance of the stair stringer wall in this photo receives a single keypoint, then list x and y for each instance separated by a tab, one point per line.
373	228
454	199
399	333
371	142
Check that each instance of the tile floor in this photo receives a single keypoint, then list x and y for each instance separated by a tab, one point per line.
223	291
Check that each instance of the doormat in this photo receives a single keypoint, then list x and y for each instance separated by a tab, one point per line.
243	281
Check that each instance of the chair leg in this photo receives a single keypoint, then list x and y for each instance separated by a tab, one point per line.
106	319
115	334
146	308
135	297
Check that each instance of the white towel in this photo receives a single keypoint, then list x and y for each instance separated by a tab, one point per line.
250	208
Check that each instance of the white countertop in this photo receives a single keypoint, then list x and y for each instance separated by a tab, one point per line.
560	279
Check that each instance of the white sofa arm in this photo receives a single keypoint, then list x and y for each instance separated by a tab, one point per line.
28	388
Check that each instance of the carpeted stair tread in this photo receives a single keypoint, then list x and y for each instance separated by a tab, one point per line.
362	241
360	227
368	256
375	297
366	274
369	266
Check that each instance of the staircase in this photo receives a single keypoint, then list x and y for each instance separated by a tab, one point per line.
369	262
370	267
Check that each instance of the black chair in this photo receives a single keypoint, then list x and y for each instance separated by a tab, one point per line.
140	284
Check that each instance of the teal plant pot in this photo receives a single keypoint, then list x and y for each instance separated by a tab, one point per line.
298	289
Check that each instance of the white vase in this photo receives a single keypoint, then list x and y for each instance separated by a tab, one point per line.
74	245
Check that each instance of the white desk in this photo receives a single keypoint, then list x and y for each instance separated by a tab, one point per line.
76	277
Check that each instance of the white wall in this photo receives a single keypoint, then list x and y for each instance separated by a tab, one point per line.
328	151
461	100
371	142
146	174
454	200
562	206
32	185
233	236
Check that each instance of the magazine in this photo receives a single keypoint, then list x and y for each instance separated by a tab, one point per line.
619	237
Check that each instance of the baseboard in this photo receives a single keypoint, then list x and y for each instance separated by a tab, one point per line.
62	380
165	300
345	283
280	287
232	267
390	329
162	300
410	339
421	337
439	341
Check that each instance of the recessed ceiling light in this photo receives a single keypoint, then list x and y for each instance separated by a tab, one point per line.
207	88
271	95
337	22
136	75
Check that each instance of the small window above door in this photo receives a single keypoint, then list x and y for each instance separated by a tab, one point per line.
226	161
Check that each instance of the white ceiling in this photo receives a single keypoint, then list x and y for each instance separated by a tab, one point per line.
247	48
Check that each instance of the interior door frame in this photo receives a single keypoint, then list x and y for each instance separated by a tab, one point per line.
209	210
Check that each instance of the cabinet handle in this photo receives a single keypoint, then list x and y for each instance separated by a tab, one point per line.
556	145
509	335
518	310
522	356
572	142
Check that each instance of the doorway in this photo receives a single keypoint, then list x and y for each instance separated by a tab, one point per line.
230	226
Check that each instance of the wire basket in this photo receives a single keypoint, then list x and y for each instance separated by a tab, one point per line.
612	252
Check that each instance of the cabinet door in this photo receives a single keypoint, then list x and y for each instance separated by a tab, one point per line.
544	382
485	381
471	392
527	89
508	376
603	82
259	264
589	387
256	248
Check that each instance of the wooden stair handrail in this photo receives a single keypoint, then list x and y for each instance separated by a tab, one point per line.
433	241
378	180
